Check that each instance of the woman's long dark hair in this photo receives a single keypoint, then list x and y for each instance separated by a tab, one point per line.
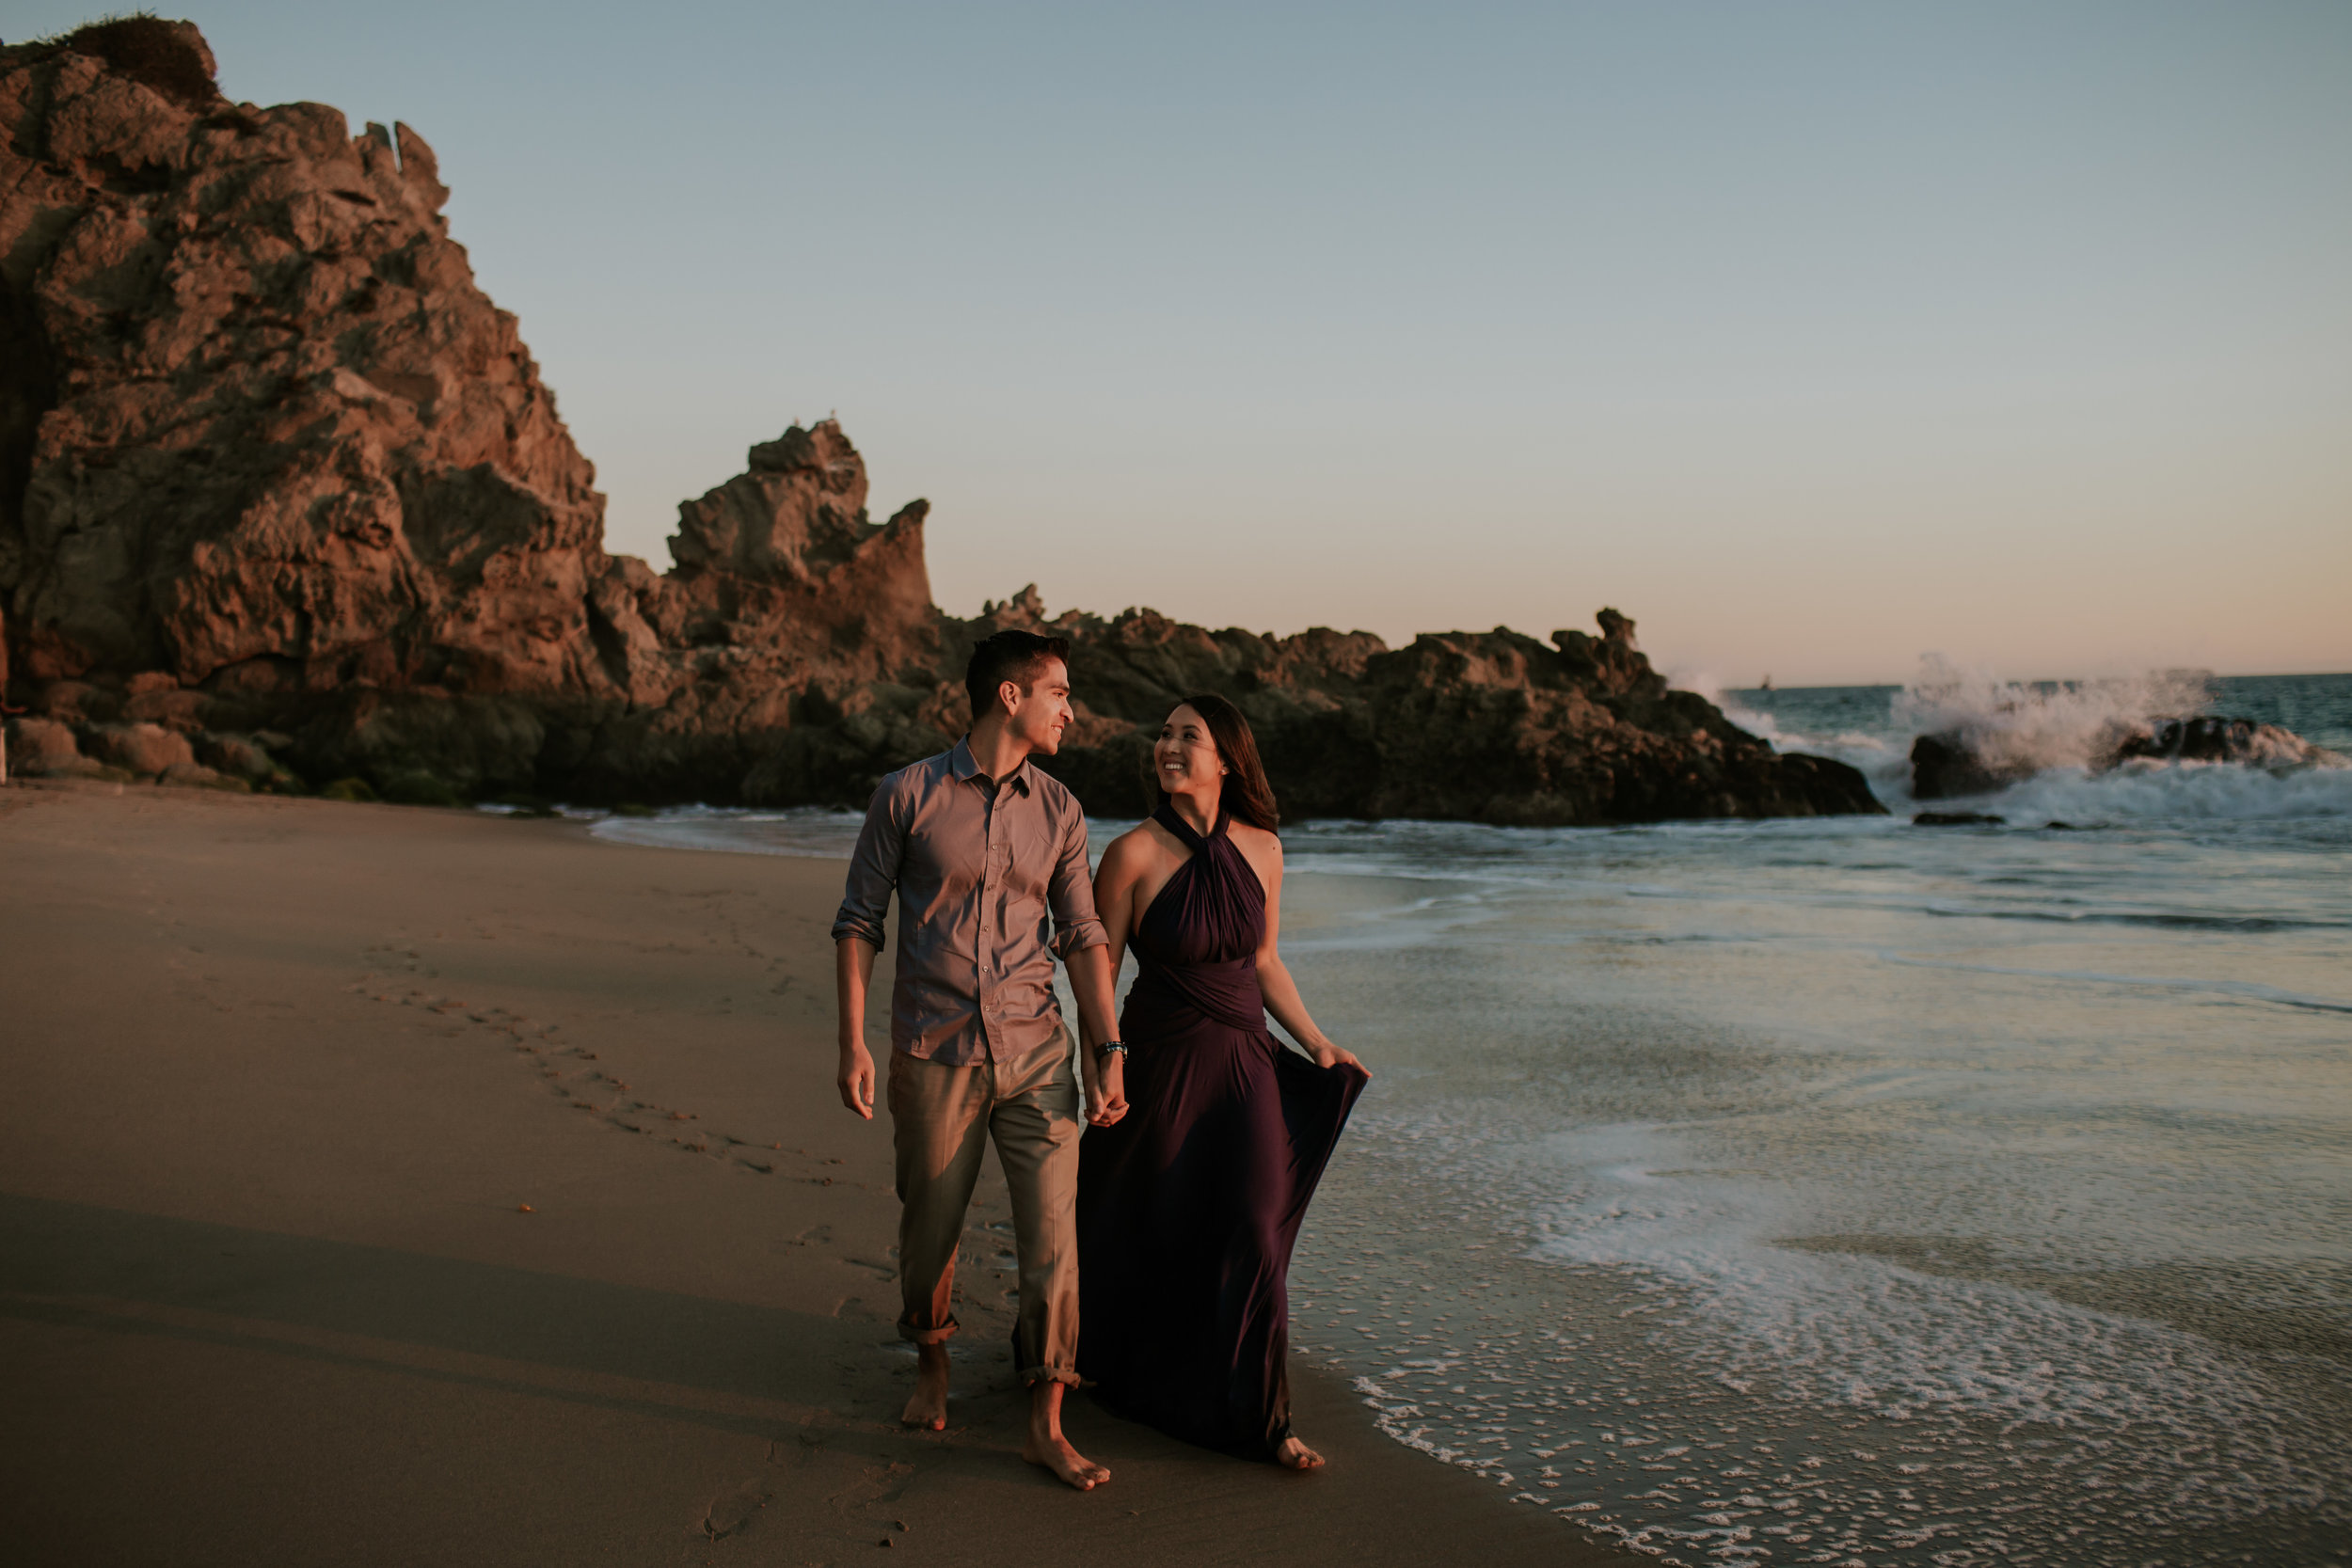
1247	797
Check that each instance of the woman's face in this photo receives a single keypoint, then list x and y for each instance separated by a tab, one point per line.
1185	757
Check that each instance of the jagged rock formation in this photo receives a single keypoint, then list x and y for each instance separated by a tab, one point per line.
1494	725
263	432
793	644
269	460
283	499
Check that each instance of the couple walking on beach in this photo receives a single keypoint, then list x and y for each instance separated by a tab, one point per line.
1153	1251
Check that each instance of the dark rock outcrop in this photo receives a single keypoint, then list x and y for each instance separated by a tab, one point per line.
1493	726
1950	764
282	498
2245	741
1944	767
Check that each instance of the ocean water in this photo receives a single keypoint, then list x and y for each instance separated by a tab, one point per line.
1852	1192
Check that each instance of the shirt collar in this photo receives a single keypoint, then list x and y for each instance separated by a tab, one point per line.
964	766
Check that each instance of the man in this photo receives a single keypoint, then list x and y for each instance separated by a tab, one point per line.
989	858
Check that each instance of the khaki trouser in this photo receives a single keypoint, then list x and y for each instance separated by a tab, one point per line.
940	1118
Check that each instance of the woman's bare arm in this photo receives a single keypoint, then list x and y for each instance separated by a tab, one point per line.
1274	978
1114	884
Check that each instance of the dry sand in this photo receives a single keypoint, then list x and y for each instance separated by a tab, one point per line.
381	1185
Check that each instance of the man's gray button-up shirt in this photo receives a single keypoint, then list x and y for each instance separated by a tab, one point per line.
993	884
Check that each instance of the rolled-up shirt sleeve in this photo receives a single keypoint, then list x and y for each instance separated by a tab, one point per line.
1070	893
874	870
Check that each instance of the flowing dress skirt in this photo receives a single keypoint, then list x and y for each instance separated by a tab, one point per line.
1188	1212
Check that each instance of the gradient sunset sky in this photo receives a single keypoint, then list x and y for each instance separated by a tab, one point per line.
1815	337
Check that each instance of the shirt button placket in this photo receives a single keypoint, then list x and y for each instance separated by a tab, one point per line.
991	946
987	954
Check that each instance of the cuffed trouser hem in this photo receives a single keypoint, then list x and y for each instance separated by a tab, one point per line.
1050	1375
939	1336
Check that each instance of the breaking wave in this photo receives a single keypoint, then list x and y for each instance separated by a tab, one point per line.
2016	726
2062	736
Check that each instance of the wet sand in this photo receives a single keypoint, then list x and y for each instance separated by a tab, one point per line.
390	1186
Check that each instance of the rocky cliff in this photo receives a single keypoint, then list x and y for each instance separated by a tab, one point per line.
284	501
263	433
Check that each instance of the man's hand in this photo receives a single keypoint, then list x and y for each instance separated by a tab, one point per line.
1107	1101
1105	1076
856	1080
853	971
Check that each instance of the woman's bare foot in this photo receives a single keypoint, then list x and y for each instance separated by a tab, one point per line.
1047	1446
1295	1455
928	1408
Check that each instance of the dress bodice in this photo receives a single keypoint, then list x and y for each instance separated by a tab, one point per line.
1200	936
1212	910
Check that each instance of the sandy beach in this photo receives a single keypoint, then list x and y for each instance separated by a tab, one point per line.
392	1185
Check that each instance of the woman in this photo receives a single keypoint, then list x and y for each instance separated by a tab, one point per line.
1210	1135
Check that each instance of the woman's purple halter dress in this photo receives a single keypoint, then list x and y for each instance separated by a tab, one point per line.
1188	1208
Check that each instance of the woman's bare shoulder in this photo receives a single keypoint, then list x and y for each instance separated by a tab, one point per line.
1130	851
1261	849
1253	839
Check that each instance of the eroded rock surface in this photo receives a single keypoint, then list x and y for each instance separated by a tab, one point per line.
271	437
285	503
1494	726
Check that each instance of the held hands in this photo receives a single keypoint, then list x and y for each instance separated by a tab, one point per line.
1107	1099
856	1079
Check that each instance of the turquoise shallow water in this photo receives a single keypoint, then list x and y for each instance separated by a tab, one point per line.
1850	1191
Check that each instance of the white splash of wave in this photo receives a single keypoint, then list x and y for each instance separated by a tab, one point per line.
2058	740
2013	726
2174	792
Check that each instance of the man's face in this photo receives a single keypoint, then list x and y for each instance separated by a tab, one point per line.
1039	714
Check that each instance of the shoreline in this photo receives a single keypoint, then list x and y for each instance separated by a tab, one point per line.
287	1075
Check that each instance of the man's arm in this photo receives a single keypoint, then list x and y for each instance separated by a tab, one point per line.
858	934
1078	936
852	972
1090	980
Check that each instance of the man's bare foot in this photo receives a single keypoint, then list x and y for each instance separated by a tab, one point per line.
1295	1455
929	1405
1046	1445
1067	1463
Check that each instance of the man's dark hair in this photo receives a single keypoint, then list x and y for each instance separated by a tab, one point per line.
1008	655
